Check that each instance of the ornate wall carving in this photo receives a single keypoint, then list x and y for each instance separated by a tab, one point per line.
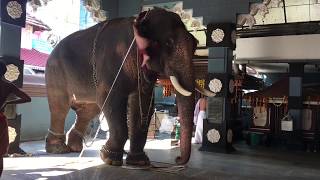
256	8
93	6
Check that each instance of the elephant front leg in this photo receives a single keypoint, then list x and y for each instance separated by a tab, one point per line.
115	111
85	113
140	111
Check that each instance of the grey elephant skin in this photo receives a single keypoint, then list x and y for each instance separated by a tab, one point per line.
162	46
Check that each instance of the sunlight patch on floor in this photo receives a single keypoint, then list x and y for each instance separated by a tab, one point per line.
36	163
59	164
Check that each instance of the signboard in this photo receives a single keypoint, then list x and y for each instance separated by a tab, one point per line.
215	109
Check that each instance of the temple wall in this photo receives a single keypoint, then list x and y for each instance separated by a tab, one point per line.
35	119
125	8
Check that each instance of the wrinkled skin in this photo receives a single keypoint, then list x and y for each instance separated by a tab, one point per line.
167	48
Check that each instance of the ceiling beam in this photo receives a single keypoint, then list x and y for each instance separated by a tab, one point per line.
280	29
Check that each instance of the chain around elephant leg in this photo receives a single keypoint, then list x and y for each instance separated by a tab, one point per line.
75	140
137	159
55	143
111	157
139	118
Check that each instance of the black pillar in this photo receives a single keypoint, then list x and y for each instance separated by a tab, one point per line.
295	98
217	128
13	17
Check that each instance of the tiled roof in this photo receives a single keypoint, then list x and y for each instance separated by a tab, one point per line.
37	23
34	58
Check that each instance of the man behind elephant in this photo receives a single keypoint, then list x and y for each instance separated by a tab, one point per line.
6	89
199	115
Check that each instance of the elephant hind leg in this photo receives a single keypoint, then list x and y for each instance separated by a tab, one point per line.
59	107
85	113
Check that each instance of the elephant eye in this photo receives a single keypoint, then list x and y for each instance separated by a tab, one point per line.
170	43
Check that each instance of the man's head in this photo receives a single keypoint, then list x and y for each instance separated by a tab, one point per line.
3	68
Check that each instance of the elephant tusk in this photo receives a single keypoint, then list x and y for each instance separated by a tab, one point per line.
178	87
204	91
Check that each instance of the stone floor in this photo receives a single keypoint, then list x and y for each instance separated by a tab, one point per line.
246	163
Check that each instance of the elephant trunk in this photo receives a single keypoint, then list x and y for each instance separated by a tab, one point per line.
185	111
184	84
185	104
181	72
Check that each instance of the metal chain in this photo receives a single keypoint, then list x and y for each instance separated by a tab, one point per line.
94	76
144	119
109	92
93	54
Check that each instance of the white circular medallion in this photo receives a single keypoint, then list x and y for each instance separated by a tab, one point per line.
14	9
215	85
12	73
229	136
213	136
231	86
217	35
12	134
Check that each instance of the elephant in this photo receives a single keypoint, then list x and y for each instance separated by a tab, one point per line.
81	70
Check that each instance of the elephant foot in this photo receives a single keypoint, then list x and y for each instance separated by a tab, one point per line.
56	144
110	157
137	159
75	140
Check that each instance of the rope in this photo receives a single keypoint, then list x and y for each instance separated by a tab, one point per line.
54	133
288	117
95	75
104	103
167	169
125	58
170	168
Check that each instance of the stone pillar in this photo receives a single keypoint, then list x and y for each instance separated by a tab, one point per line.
217	128
13	17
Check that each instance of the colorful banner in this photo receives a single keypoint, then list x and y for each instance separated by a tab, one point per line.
41	46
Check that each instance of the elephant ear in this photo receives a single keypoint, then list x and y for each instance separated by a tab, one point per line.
141	24
140	31
140	28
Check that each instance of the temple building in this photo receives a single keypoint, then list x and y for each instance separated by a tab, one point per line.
255	107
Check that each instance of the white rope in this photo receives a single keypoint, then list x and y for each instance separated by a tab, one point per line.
54	133
104	103
125	58
101	110
166	169
170	168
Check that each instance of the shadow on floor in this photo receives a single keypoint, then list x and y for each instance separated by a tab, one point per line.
245	163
